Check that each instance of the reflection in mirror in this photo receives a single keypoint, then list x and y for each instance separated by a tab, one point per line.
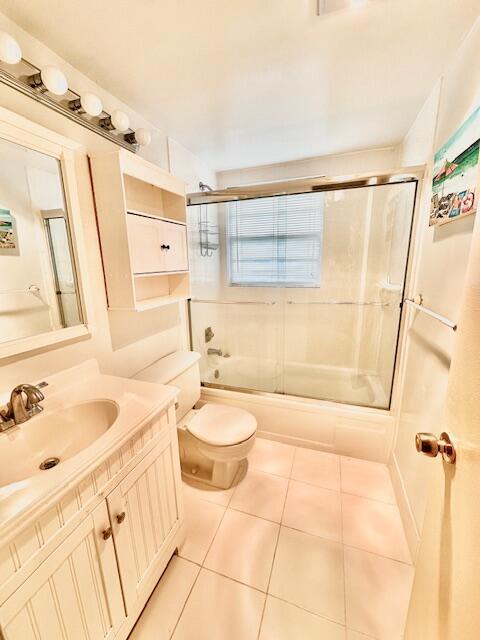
38	285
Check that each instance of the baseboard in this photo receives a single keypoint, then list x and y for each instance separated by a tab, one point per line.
409	525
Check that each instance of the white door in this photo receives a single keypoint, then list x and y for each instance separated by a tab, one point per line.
143	237
445	602
143	510
173	242
75	594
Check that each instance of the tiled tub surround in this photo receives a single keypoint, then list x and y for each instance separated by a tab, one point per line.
59	576
307	545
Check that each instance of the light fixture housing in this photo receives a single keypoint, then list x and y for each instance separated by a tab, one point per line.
140	136
10	51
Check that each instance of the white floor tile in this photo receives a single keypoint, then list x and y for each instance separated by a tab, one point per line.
243	549
317	467
160	616
202	519
367	479
308	571
272	457
261	494
374	526
284	621
219	608
207	492
377	594
313	510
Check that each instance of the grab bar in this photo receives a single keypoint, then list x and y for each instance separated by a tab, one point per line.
270	302
360	304
419	306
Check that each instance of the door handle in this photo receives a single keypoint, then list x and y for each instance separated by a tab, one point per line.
431	446
165	246
120	517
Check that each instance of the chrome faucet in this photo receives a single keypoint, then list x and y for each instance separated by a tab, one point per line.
214	352
19	410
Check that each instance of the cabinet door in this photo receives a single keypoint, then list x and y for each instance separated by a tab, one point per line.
143	237
143	510
173	237
74	595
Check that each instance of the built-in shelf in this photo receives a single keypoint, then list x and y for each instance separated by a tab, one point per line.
141	214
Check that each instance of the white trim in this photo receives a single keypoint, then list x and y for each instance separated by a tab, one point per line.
408	520
41	340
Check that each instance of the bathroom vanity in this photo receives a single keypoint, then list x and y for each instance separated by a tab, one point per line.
83	544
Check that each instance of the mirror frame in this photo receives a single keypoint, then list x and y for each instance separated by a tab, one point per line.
20	130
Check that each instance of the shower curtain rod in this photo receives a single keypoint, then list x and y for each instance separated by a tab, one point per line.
305	185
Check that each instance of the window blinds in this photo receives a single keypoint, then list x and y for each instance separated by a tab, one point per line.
276	241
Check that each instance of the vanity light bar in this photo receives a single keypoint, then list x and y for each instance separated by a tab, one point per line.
49	86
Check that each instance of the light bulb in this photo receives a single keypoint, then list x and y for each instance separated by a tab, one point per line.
143	136
10	51
54	80
91	104
120	120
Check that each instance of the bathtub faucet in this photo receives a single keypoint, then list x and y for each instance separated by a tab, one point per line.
214	352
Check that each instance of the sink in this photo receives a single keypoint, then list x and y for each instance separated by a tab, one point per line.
52	438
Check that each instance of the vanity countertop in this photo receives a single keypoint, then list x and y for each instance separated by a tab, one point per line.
137	402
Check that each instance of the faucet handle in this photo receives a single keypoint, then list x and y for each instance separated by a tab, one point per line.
34	396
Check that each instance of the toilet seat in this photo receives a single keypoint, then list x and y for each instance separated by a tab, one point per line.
222	426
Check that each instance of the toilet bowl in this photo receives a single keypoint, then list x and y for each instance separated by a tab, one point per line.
213	439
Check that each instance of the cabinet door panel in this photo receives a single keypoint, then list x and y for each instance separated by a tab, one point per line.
144	241
174	236
74	595
147	497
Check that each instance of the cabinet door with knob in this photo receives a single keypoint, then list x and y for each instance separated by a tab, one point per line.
173	243
143	512
74	594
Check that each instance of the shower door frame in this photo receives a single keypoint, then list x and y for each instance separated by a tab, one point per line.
318	184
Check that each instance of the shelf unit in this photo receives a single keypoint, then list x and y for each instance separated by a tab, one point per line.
141	215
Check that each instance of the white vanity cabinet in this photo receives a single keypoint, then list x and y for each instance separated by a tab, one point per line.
76	592
85	569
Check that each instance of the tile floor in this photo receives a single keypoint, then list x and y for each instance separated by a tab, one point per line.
307	545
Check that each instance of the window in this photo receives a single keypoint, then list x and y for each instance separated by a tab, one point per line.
276	242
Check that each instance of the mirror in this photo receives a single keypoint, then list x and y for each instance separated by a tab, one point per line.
38	286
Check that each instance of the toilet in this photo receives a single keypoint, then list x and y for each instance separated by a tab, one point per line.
213	438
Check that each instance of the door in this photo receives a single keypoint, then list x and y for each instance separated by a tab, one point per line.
446	592
143	236
143	510
75	594
173	239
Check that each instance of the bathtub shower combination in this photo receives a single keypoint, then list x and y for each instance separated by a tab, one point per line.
297	287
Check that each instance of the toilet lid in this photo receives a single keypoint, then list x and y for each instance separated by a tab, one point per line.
220	425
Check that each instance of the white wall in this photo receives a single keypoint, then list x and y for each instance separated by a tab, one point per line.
123	342
439	277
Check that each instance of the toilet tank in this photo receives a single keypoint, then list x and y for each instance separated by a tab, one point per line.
179	369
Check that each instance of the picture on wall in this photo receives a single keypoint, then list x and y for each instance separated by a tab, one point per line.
455	174
8	233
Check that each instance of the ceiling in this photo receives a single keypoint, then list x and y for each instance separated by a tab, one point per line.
248	82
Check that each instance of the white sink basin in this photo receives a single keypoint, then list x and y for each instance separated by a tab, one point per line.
60	434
